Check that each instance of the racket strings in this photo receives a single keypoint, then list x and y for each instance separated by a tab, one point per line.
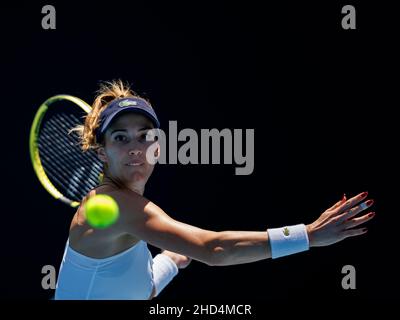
73	177
53	164
67	176
66	165
88	159
62	152
71	122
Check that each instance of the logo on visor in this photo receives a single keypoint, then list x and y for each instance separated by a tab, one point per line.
127	103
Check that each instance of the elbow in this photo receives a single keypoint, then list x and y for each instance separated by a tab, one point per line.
210	250
216	255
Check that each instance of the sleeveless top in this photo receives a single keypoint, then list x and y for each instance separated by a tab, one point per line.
127	275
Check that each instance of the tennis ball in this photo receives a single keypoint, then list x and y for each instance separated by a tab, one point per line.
101	211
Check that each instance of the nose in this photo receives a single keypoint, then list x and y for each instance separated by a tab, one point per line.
135	152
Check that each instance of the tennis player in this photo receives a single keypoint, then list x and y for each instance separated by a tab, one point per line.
115	263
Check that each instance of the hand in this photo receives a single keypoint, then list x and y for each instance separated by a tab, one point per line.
180	260
337	223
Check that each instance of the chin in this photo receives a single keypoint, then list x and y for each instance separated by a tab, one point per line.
139	174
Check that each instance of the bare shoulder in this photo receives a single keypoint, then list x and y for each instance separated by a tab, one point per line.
135	210
139	216
100	243
129	202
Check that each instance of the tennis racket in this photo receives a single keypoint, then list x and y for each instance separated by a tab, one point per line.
66	172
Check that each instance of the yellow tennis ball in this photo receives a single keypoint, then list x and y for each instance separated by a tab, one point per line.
101	211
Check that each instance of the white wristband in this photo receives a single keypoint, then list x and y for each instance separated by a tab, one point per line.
288	240
164	270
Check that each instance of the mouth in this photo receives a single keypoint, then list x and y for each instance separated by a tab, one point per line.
134	164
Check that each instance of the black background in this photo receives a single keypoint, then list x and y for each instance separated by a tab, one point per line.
322	101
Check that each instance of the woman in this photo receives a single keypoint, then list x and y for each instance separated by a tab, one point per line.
115	263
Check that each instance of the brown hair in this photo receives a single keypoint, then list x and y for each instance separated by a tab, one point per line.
108	92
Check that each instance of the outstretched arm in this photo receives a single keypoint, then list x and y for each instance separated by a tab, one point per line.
148	222
145	220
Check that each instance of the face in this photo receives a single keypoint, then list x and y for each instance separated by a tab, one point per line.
125	148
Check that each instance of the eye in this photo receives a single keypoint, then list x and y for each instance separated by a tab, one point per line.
151	136
143	136
120	138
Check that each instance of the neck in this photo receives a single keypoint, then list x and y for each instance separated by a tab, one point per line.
135	187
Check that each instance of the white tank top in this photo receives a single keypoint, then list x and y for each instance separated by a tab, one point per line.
127	275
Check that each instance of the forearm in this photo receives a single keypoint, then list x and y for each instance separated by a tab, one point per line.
238	247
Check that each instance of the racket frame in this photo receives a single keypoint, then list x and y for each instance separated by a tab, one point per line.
34	146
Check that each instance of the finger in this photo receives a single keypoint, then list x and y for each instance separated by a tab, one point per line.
337	204
91	194
354	232
356	210
352	202
357	221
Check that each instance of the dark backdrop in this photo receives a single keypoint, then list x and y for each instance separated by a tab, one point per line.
321	100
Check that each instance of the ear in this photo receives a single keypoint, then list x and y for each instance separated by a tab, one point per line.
157	151
101	153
